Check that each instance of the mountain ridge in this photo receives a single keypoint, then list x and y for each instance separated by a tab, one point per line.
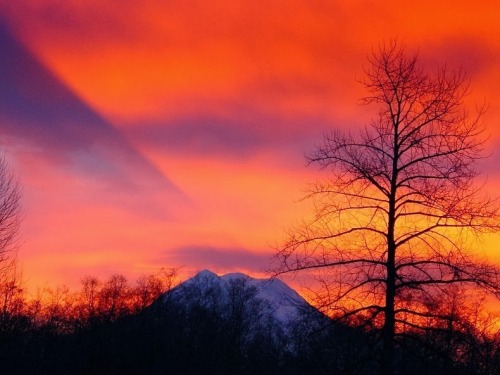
280	303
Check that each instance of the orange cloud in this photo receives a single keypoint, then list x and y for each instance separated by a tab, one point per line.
223	98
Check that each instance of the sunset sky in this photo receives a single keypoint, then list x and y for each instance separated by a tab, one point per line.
150	133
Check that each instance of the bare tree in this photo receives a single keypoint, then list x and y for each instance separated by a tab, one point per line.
394	222
149	288
10	217
10	285
88	304
114	298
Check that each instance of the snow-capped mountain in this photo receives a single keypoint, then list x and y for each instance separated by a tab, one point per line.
255	300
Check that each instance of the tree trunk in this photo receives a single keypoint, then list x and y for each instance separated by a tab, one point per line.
387	359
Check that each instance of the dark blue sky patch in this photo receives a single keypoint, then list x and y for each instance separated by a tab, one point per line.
38	109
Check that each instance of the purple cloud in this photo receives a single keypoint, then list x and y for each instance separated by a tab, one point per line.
230	136
212	257
38	110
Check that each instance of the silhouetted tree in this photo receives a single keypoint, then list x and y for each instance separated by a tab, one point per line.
114	298
12	303
149	288
10	285
88	303
394	221
53	310
9	215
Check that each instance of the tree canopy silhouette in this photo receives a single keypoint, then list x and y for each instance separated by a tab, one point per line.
394	221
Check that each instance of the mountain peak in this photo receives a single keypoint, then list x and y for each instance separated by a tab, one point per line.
205	274
208	290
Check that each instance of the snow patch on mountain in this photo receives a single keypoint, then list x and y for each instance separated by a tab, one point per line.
283	303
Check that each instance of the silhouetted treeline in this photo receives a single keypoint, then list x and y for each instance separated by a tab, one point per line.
117	327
